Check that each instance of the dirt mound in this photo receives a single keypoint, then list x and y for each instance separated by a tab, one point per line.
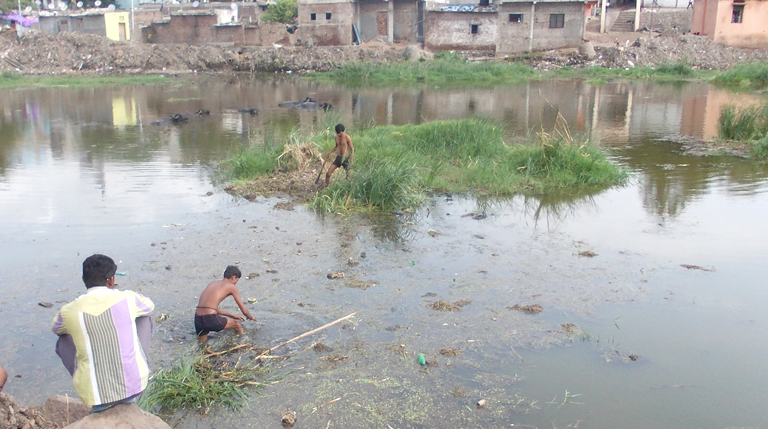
14	416
41	53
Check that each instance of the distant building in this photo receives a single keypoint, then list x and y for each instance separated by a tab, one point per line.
114	25
500	26
737	23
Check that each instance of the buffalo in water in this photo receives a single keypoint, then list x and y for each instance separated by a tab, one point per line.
178	118
306	104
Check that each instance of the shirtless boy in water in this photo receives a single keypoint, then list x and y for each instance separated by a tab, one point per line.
345	153
208	316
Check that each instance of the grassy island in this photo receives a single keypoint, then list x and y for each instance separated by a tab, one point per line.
395	166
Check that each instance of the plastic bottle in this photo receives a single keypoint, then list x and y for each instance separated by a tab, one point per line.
422	359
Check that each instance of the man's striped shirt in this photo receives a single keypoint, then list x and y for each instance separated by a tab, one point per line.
111	365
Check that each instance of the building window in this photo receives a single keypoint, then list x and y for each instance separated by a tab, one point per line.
484	2
515	17
738	13
557	20
328	15
475	27
312	16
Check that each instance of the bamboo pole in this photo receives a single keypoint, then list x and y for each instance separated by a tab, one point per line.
309	333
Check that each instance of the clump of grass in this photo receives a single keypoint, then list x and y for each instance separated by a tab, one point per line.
251	162
752	74
676	69
200	382
743	124
443	69
760	148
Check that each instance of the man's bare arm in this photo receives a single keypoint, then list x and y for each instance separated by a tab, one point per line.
236	296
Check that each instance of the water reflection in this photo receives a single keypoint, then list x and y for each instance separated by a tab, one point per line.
113	125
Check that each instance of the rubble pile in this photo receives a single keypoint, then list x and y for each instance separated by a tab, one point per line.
14	416
37	53
41	53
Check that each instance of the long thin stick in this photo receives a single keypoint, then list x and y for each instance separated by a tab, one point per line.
324	404
210	353
518	355
309	333
321	171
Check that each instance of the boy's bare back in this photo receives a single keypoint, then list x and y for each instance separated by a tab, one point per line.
218	291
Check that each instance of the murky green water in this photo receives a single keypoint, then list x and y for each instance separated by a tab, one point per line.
85	171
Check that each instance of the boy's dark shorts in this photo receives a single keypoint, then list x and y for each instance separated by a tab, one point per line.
209	323
341	162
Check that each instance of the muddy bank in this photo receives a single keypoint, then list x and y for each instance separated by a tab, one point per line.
666	39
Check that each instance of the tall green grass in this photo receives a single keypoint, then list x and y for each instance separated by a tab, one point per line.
743	124
397	165
435	71
753	74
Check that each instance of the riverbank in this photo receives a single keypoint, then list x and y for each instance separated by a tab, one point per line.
668	42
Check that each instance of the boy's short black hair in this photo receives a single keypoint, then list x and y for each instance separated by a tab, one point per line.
232	271
339	128
97	269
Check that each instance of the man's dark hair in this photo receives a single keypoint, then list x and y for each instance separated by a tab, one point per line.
339	128
232	271
97	269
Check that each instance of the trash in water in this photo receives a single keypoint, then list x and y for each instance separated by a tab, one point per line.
413	263
121	273
422	359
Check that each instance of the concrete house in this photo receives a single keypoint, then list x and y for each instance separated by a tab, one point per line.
503	26
737	23
528	26
461	28
113	25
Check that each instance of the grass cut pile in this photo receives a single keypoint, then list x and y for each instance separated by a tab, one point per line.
395	166
747	124
201	381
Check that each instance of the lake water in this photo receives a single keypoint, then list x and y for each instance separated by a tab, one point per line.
84	171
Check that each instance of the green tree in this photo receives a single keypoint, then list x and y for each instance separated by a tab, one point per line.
11	6
284	11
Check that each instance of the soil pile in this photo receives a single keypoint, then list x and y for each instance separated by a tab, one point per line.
14	416
42	53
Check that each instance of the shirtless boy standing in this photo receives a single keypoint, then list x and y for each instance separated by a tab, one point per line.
208	316
345	153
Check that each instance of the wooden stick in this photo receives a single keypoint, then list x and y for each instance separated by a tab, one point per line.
210	353
324	404
518	355
309	333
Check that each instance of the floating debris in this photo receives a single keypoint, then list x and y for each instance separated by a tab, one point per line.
288	418
252	275
162	317
527	309
45	304
587	254
696	267
481	403
433	233
252	300
450	352
338	275
271	271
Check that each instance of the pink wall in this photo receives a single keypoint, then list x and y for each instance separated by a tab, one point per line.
712	18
